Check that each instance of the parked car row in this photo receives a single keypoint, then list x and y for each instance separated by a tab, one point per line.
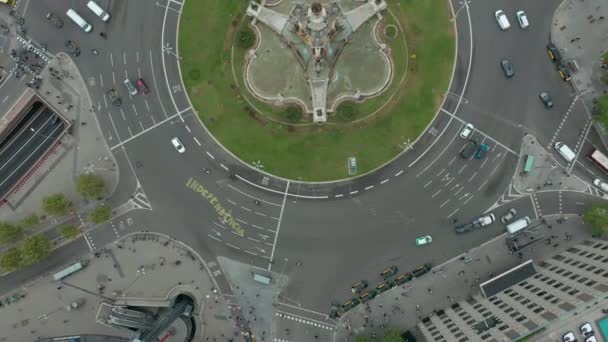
479	222
587	332
78	20
359	287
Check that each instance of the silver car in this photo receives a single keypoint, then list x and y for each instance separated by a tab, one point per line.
508	216
130	87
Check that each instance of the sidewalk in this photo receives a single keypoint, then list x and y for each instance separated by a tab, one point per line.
82	151
450	282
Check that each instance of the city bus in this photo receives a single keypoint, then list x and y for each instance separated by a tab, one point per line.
68	270
600	159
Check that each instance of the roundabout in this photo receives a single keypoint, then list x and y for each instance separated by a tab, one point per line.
257	98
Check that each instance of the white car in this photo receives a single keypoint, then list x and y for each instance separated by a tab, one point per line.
522	19
591	339
467	131
602	185
485	220
178	145
502	20
569	337
586	329
132	90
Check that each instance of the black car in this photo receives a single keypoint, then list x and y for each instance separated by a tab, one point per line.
58	22
114	97
546	99
463	228
335	311
554	53
404	278
350	304
358	287
367	296
74	49
507	68
389	272
469	149
421	270
383	287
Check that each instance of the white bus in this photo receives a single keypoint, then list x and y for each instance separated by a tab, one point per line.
79	21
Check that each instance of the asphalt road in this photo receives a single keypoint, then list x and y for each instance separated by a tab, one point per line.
351	230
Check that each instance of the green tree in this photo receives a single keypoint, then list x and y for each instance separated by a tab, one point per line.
346	111
293	114
364	338
30	220
55	205
35	248
245	38
10	233
602	108
11	259
100	214
90	185
597	216
392	335
69	231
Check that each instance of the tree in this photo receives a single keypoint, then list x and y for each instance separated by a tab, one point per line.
100	214
346	111
35	248
293	114
28	221
90	185
364	338
69	231
10	233
55	205
11	259
602	109
392	335
245	38
597	216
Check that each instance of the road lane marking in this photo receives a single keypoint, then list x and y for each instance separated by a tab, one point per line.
147	105
112	61
233	246
463	167
230	201
246	251
242	221
264	215
451	161
137	56
339	195
224	215
223	166
276	235
101	80
124	57
427	184
482	184
258	227
354	192
368	187
210	155
142	132
440	172
453	212
141	125
252	197
398	173
254	240
245	208
435	194
123	114
187	128
129	128
156	86
197	142
214	238
484	162
468	199
384	181
444	203
473	176
114	77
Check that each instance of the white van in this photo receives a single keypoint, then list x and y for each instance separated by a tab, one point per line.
503	21
602	185
518	225
79	21
95	8
564	151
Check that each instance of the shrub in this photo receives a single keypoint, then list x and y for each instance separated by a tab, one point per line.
100	214
55	205
90	185
245	38
11	259
346	111
69	231
293	114
35	248
29	221
10	233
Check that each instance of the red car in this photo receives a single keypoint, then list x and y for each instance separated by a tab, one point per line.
142	87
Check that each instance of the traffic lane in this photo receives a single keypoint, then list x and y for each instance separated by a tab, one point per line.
586	168
573	125
517	101
25	121
578	202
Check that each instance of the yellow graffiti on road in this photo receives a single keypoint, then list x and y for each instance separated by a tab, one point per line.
224	215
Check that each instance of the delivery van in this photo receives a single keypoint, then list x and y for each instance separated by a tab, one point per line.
564	151
518	226
78	20
95	8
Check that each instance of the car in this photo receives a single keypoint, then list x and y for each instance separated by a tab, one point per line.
421	270
508	216
423	240
591	338
75	50
114	97
463	228
141	85
57	21
502	20
358	287
404	278
546	99
389	272
469	149
586	329
383	287
569	337
563	72
178	145
467	131
602	185
554	53
334	312
484	220
130	88
522	18
507	68
350	304
367	296
482	150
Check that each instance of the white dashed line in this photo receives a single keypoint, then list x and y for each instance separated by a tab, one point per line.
453	212
223	167
462	169
398	173
473	176
482	184
354	192
444	203
196	140
435	194
258	227
468	199
384	181
427	184
242	221
261	214
210	155
246	251
440	172
233	246
244	208
188	129
339	195
254	240
369	187
231	201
